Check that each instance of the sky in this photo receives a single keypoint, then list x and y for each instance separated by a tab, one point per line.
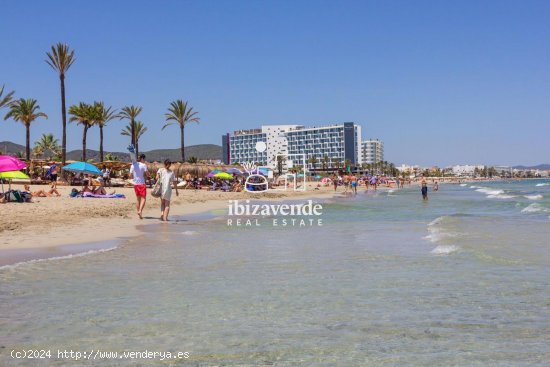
439	82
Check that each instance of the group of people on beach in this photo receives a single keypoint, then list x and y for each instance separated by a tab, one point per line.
351	182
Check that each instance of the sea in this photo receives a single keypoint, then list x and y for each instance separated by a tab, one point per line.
388	279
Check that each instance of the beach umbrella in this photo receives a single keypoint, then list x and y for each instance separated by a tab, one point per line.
83	167
10	175
14	175
9	163
210	175
223	176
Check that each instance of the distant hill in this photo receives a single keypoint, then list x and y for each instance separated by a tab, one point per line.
201	151
9	148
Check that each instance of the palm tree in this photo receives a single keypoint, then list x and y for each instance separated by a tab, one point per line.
193	160
37	151
182	114
47	143
336	163
103	115
312	161
83	114
326	162
131	113
25	111
60	59
138	130
5	101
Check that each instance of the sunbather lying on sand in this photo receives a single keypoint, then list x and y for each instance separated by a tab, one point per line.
41	193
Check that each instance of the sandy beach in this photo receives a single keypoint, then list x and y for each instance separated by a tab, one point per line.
58	221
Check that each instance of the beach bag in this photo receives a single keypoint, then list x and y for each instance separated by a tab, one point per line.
156	192
15	196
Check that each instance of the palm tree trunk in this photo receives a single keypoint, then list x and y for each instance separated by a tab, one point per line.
182	144
28	141
101	143
133	128
64	119
84	143
137	147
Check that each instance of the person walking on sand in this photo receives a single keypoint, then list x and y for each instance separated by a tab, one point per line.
167	178
424	189
138	172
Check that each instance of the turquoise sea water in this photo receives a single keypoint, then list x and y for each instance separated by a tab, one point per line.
388	280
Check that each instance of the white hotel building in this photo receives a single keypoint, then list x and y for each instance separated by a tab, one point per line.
339	142
372	151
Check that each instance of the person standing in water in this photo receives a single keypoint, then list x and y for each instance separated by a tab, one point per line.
424	189
353	181
436	186
167	178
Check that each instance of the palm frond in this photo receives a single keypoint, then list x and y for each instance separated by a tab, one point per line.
24	111
4	101
60	58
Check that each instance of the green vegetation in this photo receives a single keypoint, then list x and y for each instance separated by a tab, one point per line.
103	115
47	144
5	100
83	114
60	59
135	129
25	111
131	113
182	114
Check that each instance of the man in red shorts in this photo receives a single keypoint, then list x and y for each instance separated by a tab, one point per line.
138	172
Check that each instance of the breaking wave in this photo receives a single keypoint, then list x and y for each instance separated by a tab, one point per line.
444	249
535	208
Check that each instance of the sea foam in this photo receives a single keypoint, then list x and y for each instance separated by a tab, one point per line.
535	208
64	257
533	197
488	191
444	249
542	184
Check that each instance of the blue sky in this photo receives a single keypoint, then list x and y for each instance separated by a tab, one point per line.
440	82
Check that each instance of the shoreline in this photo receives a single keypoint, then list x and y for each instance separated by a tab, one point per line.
100	233
54	227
